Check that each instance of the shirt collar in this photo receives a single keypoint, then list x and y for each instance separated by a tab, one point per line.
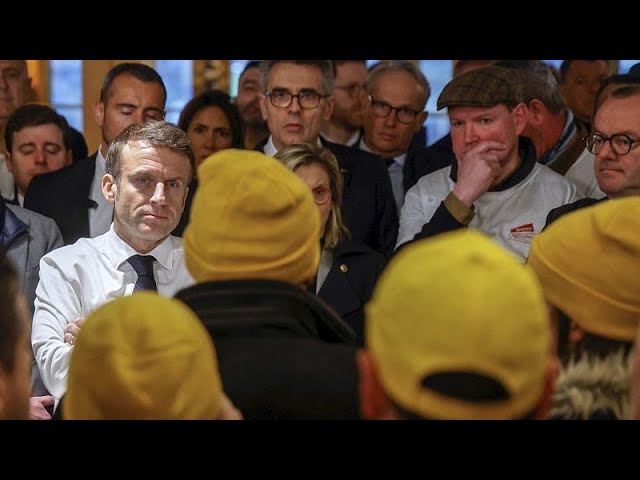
400	159
119	251
270	149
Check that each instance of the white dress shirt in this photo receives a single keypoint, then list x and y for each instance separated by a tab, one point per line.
77	279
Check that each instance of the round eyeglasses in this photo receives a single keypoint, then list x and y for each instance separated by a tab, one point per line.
306	98
620	143
382	109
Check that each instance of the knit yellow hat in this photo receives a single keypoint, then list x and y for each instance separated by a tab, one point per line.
454	307
251	218
143	357
588	263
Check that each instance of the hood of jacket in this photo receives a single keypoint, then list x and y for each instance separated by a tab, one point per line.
594	388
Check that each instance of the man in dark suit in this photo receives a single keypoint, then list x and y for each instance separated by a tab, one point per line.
131	93
393	115
297	97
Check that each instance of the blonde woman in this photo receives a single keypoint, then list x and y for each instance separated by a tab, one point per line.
348	269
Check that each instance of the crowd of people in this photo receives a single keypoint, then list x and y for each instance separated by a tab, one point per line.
300	252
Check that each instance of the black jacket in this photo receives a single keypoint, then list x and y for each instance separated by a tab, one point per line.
282	353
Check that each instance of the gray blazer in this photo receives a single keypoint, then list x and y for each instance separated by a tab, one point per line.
28	247
28	236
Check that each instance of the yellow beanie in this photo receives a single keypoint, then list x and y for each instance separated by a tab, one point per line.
588	263
143	357
251	218
459	303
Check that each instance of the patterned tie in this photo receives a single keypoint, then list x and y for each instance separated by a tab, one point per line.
143	265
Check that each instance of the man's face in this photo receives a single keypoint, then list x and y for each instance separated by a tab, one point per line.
388	136
14	87
150	197
350	95
471	126
129	101
581	86
618	175
292	124
247	99
36	150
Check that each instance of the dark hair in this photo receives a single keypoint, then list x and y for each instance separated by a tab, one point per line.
11	325
33	115
566	65
158	134
327	68
250	64
215	98
142	72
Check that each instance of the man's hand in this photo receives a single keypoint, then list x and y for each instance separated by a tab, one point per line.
72	329
478	169
38	407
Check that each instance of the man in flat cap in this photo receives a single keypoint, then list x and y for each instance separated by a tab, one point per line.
496	186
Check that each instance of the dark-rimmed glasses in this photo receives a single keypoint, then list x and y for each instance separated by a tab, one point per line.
306	98
620	143
382	109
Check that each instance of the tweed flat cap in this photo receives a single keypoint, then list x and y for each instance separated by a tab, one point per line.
483	87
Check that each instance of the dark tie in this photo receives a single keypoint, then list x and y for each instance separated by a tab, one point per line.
389	161
143	265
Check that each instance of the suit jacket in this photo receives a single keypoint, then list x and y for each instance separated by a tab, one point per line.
64	196
349	283
368	205
28	236
557	212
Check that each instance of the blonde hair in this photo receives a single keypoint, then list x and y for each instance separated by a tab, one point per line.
293	156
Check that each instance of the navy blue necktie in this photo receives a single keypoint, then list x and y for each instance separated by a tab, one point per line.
389	161
143	265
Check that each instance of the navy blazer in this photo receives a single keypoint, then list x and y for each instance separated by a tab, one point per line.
349	284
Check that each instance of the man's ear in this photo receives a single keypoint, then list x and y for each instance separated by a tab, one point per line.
9	162
98	112
374	403
109	187
520	116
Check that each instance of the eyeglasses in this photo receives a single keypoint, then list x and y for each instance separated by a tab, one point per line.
620	143
306	98
353	89
321	195
382	109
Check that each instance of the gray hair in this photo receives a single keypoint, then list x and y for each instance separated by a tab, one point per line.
385	66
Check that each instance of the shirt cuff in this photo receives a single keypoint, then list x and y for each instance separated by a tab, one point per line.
458	210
